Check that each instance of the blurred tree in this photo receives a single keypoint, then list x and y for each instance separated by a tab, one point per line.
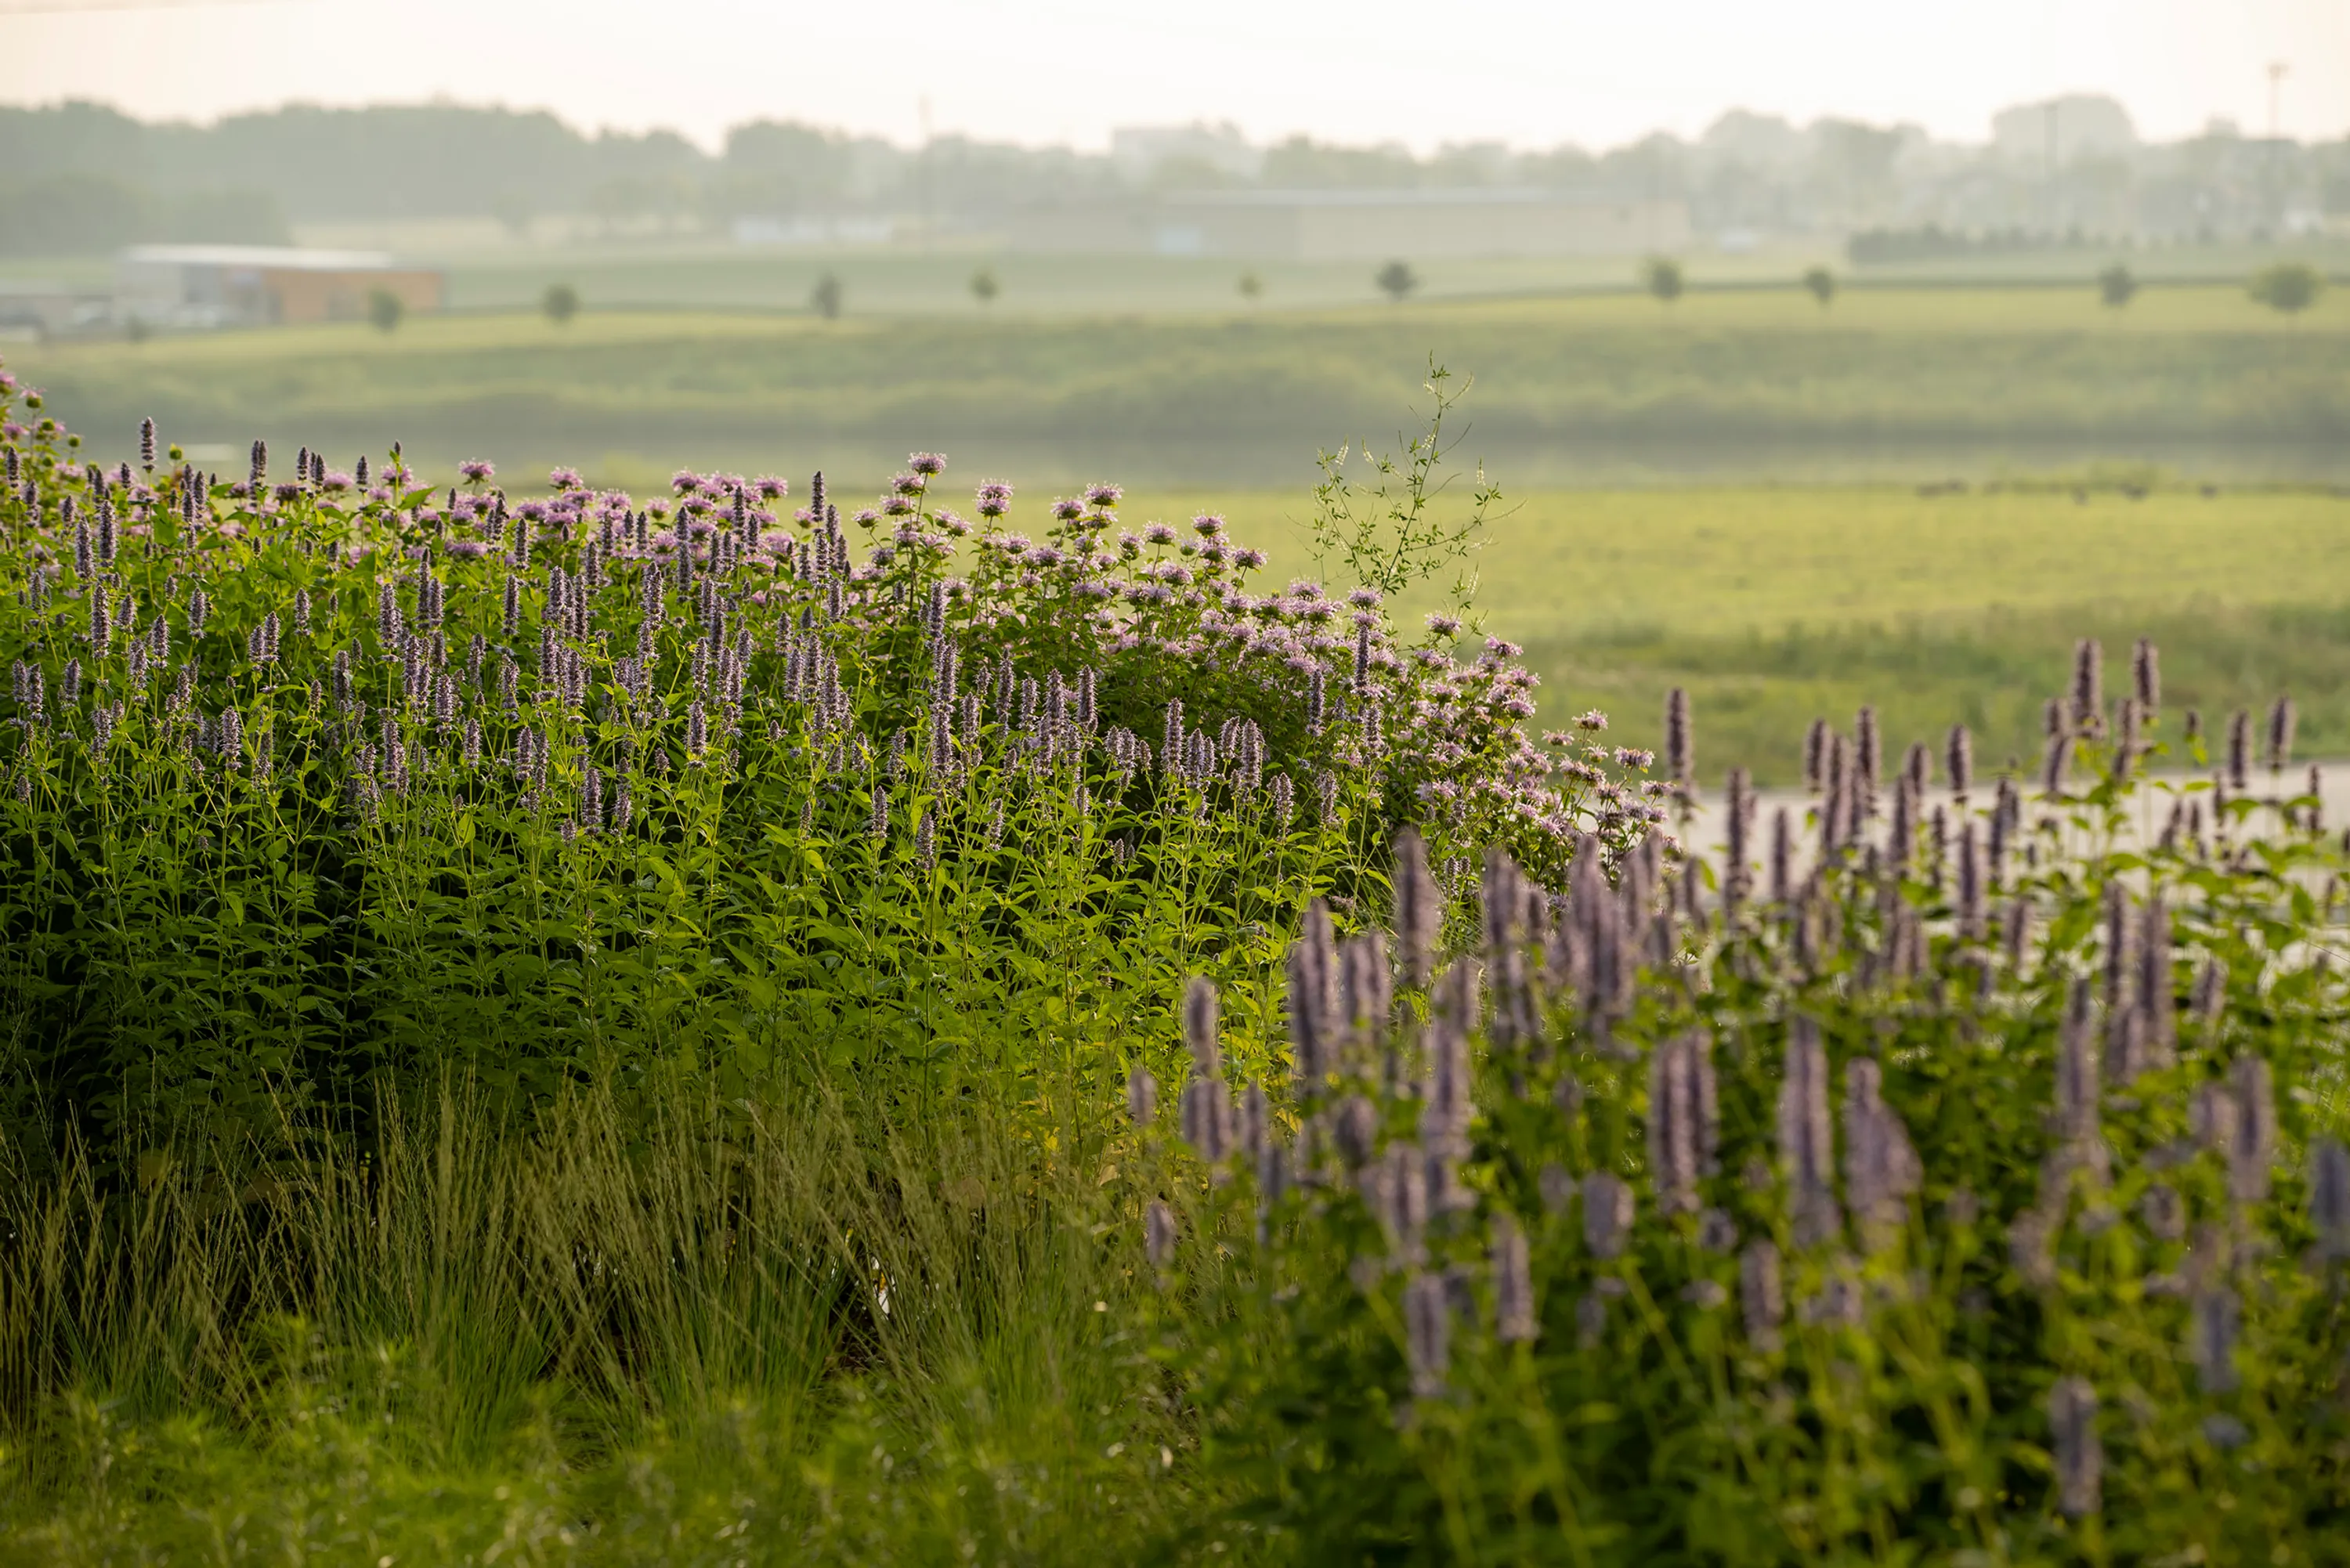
1301	164
1821	283
984	286
1396	280
70	213
2115	287
2287	286
561	303
512	210
824	297
1662	277
1251	285
384	309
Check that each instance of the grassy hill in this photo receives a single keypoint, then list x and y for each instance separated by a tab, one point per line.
1207	397
1777	605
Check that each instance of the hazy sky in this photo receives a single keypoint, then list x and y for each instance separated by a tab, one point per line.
1530	72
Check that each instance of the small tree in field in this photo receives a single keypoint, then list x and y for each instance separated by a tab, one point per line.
1820	284
1662	277
2289	287
824	297
984	285
384	310
2115	287
1251	285
1396	280
560	303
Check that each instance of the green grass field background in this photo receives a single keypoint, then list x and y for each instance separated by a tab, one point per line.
1774	605
1919	381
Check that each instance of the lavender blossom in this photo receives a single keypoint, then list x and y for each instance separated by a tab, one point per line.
1760	1297
1204	1111
2217	1318
2077	1082
1867	762
1419	908
1159	1234
1199	1033
1783	851
1313	1001
1141	1096
1678	753
2078	1452
1806	1142
1958	760
2251	1151
2158	1010
1881	1168
1607	1215
1514	1288
1428	1327
2088	696
2145	676
2279	735
1682	1121
1737	856
2329	1198
1972	923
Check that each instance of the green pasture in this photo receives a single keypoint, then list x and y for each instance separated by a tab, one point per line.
934	278
1728	383
1777	605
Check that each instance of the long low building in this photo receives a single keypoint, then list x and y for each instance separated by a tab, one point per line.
260	286
1360	225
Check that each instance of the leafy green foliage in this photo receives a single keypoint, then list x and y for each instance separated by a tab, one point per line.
384	310
1394	531
2287	287
1972	1202
311	782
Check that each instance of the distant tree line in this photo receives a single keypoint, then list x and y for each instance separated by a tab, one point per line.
251	173
1931	242
66	213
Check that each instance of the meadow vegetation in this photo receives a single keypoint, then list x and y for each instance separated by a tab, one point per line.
2024	368
1939	603
553	1025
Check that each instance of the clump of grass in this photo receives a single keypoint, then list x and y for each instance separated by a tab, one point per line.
777	1330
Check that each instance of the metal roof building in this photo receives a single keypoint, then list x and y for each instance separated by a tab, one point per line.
256	286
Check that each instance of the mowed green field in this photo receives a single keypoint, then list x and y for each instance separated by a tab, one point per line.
1777	605
1726	383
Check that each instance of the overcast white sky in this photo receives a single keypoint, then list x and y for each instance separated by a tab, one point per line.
1532	73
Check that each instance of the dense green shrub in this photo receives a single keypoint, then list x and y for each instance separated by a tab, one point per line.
310	778
1972	1189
